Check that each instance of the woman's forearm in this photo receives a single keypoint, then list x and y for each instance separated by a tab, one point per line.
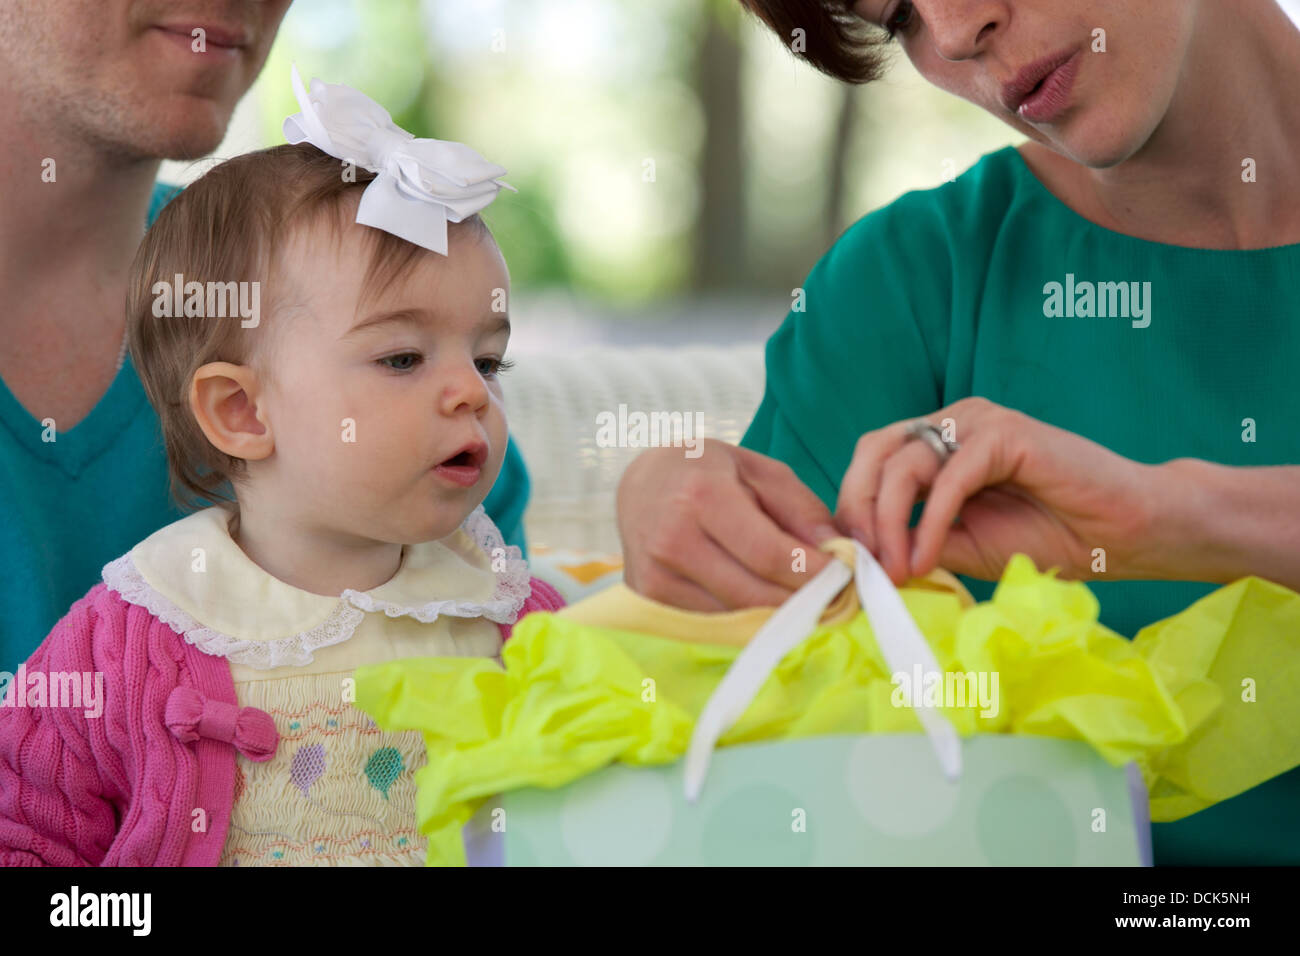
1218	523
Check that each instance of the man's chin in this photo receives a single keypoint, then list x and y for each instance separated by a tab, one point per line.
178	141
189	135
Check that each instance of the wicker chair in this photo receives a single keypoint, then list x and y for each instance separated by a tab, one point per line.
554	399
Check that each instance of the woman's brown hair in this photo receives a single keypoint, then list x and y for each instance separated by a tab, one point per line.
834	39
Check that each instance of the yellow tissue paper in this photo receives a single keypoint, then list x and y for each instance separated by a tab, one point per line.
1232	663
1207	701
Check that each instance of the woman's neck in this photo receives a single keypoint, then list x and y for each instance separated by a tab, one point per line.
1190	183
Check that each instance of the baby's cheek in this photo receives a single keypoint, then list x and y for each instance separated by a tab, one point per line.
403	446
497	425
334	441
498	438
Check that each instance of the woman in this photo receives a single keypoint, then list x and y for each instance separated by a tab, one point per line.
1100	330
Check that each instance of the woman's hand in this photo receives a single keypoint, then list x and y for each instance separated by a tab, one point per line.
718	532
1016	484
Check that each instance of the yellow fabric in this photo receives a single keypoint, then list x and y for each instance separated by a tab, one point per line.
619	606
573	697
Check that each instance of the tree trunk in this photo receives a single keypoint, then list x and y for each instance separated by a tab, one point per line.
720	230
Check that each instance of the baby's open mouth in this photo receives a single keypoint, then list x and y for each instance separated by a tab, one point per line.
466	466
472	455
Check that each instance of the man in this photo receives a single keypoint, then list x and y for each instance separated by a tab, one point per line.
100	91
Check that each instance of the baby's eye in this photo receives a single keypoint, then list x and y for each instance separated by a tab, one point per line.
488	367
402	362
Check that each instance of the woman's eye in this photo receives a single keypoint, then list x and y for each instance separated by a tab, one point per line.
488	367
401	363
900	18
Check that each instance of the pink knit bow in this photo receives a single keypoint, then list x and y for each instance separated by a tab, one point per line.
190	716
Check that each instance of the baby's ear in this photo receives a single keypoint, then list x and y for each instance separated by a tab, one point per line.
224	399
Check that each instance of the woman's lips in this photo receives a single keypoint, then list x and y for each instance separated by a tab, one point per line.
1052	96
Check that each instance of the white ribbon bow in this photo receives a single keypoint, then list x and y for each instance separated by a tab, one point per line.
897	635
422	184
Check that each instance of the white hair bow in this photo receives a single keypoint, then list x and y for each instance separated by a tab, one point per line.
422	184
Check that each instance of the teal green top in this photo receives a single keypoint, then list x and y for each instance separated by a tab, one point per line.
73	504
941	295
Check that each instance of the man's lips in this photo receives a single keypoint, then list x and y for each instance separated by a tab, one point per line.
214	35
1016	90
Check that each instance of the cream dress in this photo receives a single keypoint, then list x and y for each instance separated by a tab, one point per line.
339	791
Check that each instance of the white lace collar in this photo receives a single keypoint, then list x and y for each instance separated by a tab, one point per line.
196	579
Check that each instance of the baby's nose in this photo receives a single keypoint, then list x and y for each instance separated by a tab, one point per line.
464	386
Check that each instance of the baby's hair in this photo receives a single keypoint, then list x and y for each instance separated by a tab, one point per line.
227	227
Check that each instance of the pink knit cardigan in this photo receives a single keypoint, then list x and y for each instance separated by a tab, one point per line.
151	781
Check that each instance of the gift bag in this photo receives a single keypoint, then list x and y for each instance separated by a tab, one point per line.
837	801
840	800
821	741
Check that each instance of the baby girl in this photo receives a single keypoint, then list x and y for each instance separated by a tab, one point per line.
349	435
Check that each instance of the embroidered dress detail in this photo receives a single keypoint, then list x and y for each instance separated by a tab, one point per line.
338	792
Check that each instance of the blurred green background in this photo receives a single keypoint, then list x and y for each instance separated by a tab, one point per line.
667	153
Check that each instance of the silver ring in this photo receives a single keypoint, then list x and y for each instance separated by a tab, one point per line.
932	435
